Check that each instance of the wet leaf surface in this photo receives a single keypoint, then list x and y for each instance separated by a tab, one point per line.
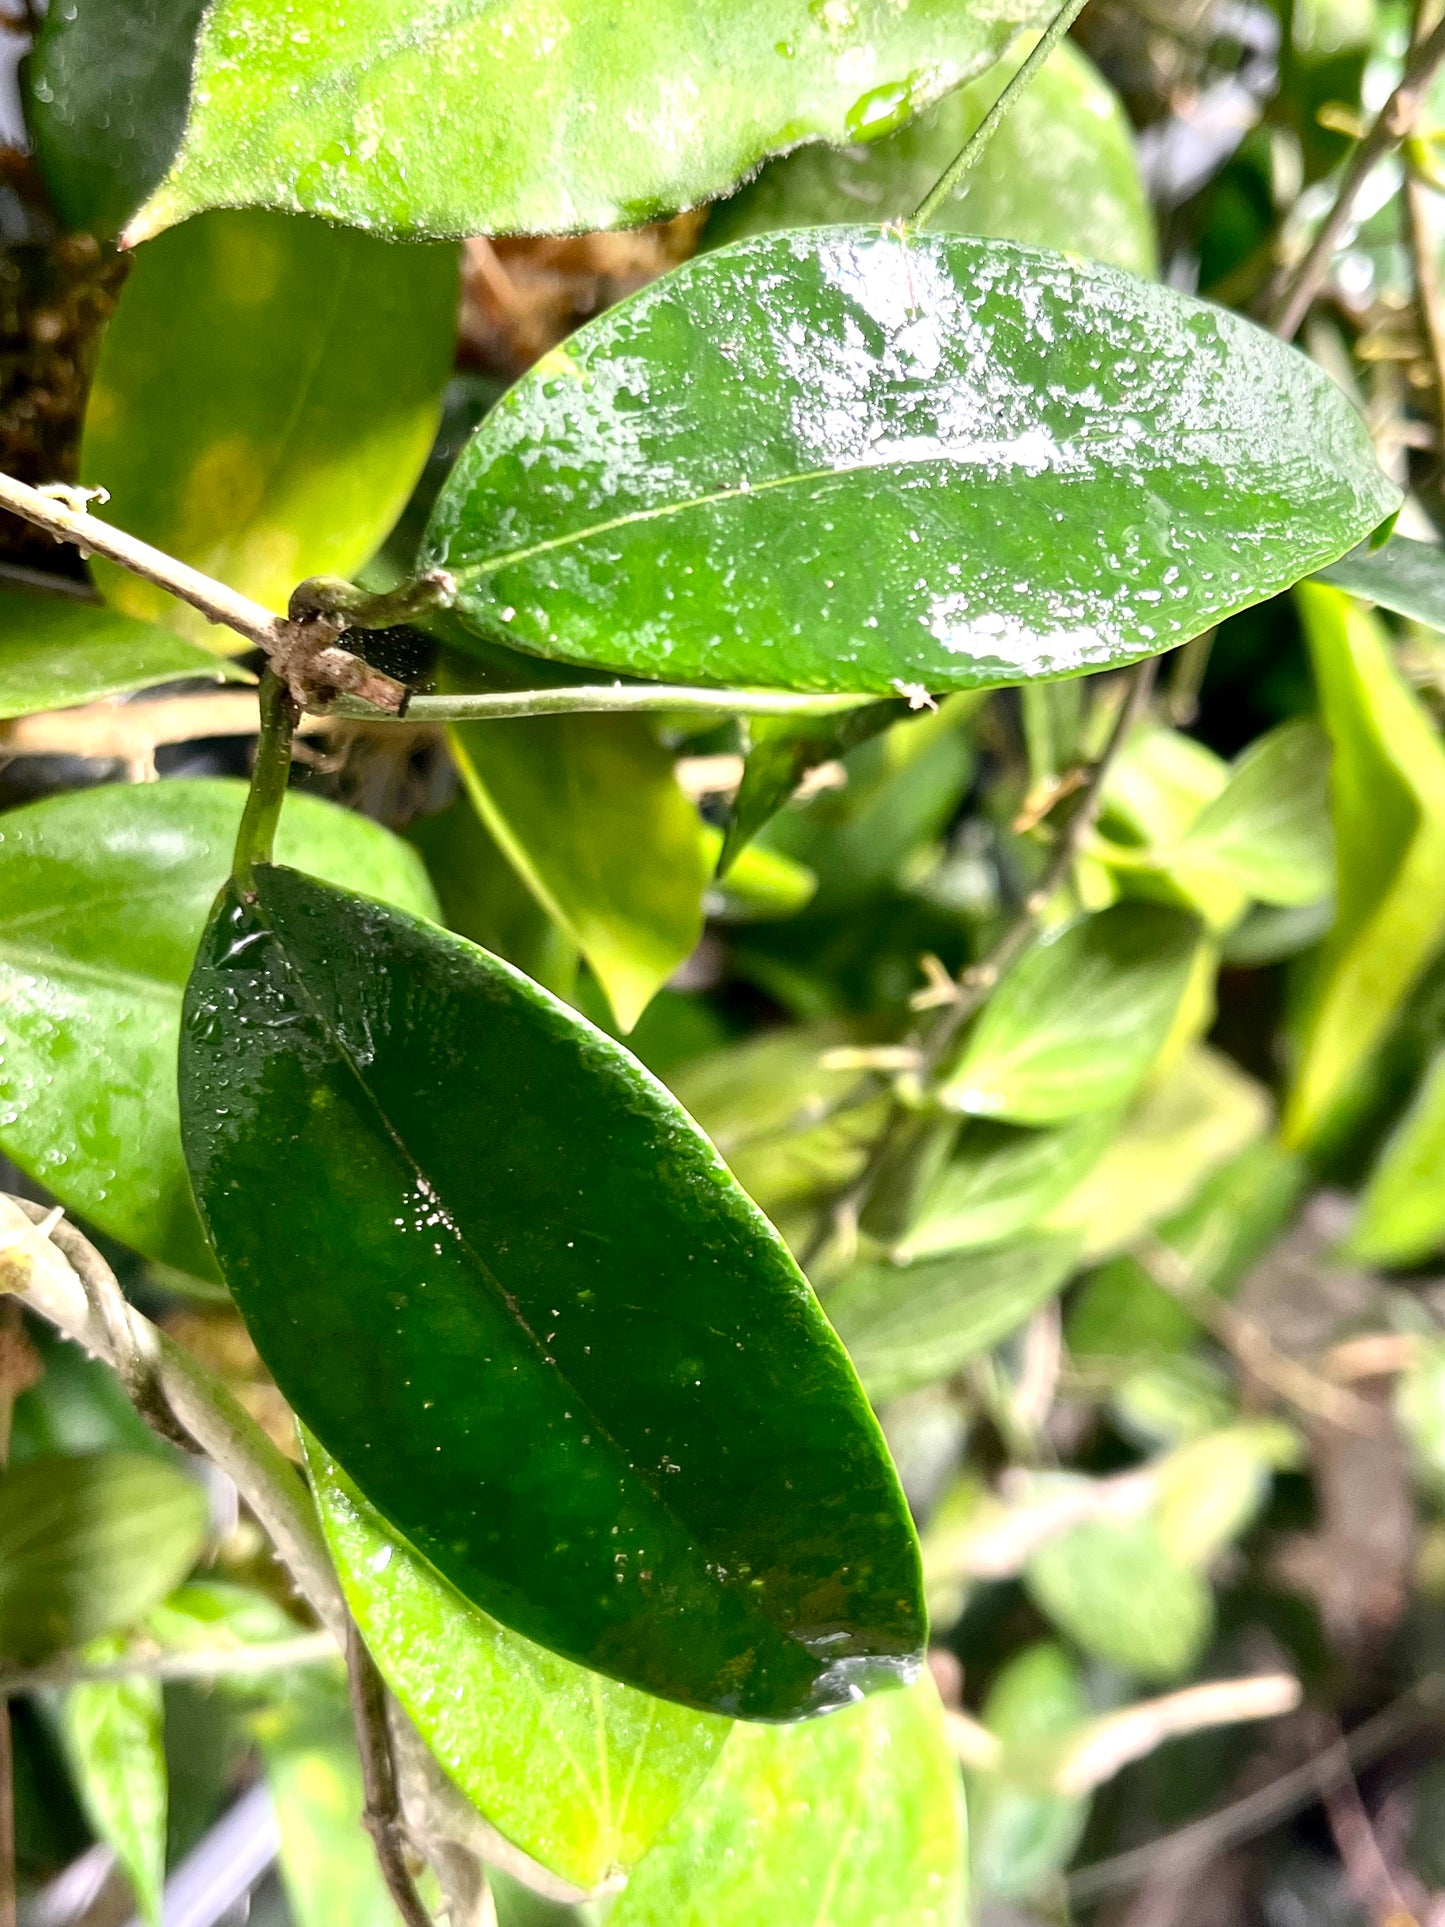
534	1318
545	116
104	894
833	460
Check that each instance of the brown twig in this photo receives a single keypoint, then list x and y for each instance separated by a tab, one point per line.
1257	1813
1393	124
382	1814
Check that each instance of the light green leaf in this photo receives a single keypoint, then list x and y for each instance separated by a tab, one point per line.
714	481
589	813
910	1325
328	1864
1211	1489
1388	803
854	1820
1404	576
1157	786
1181	1396
1402	1213
87	1545
1420	1411
578	1771
1188	1123
1269	829
1000	1180
1020	1833
1060	172
103	897
57	651
111	1731
761	885
1115	1588
265	397
544	118
1078	1021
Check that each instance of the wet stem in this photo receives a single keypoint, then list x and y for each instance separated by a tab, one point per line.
255	840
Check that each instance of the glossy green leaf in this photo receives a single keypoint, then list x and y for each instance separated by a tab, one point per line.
57	651
111	1731
578	1771
515	1234
1115	1588
589	813
1000	1180
1269	828
328	1864
851	1821
544	118
1020	1833
265	397
103	897
912	1325
781	751
87	1545
1076	1024
106	93
1188	1123
1388	803
1404	576
1402	1212
1060	172
842	459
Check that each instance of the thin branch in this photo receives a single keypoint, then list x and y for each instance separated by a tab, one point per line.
1256	1813
382	1815
1109	1744
1428	299
973	148
302	651
1394	122
208	1663
621	699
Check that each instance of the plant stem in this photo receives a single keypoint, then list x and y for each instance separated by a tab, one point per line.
238	1662
973	147
1394	122
60	517
382	1814
256	838
619	699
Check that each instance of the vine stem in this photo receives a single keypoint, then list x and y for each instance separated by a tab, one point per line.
382	1814
973	147
256	837
620	699
1393	123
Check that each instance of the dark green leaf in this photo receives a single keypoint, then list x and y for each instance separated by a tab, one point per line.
103	897
588	811
1387	798
533	1317
86	1545
266	394
1077	1023
580	1772
1114	1586
111	1732
57	651
1404	576
542	117
851	1821
781	751
1000	1180
1060	171
842	459
911	1325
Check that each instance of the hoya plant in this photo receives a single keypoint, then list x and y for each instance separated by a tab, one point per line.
733	1187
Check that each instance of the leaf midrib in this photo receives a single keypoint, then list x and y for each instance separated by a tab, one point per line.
490	1277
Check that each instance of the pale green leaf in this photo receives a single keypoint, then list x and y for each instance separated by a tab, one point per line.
111	1732
1021	1834
1116	1589
1001	1179
853	1820
328	1864
1402	1213
57	651
1269	829
580	1772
